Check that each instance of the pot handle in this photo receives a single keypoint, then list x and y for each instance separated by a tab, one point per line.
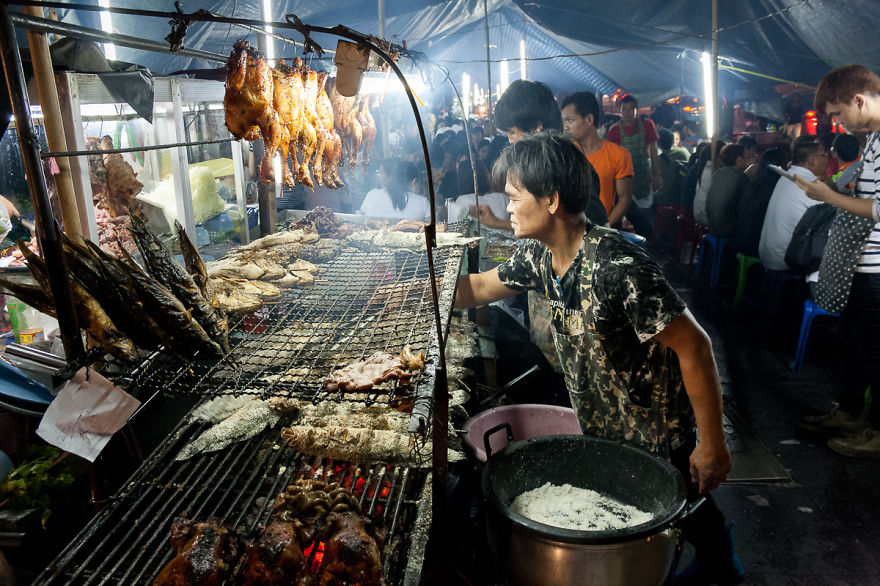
691	508
490	432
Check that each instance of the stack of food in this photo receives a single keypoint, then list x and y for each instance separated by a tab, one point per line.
124	307
254	273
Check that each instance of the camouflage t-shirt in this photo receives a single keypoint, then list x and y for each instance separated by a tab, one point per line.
632	302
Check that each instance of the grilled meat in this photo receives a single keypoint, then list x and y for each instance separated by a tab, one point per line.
249	102
332	151
368	126
346	117
288	102
310	136
276	558
206	552
351	555
321	219
362	375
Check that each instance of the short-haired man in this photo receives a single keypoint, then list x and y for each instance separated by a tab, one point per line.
789	202
637	366
729	187
673	169
639	136
613	164
524	108
849	277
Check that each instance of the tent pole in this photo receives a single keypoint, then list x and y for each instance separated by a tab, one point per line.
489	108
44	75
383	122
714	128
47	230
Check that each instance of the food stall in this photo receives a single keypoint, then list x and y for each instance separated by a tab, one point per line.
316	355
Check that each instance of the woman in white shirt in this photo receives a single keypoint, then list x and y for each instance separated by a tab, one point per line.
396	198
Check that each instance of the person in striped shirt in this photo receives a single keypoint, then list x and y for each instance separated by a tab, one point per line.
852	95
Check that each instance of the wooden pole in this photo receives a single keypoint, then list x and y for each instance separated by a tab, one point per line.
44	75
714	129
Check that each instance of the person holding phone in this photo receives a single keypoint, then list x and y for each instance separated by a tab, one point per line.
849	276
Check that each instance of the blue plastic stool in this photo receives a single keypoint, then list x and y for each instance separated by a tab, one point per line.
634	238
811	311
717	245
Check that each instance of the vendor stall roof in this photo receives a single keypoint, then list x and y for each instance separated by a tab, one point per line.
628	44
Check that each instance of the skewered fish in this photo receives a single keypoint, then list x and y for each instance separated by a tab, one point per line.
193	260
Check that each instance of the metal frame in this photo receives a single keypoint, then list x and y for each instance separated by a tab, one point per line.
441	398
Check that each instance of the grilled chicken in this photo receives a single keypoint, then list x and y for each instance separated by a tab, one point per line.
249	102
205	554
288	102
309	138
333	143
276	558
351	554
346	117
369	131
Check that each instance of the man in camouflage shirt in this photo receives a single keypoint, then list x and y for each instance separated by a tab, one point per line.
637	365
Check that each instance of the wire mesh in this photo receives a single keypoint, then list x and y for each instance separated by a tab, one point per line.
128	541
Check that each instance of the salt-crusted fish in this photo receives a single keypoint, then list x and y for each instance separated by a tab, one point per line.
382	239
218	409
242	425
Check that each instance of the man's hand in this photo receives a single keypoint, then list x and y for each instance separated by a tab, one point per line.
817	189
709	466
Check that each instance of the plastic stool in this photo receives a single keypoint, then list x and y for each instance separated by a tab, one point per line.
717	245
811	311
744	262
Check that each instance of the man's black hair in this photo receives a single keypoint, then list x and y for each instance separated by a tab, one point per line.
526	104
584	103
847	147
543	164
627	99
747	142
730	153
803	148
666	139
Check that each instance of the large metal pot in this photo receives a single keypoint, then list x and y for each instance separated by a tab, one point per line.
531	553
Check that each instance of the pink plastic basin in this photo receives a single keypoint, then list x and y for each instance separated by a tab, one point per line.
526	421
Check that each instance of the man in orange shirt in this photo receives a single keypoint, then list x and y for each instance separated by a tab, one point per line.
612	162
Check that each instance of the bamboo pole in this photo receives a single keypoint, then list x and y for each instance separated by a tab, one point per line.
715	117
44	75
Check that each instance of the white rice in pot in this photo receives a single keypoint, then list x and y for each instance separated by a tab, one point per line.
581	509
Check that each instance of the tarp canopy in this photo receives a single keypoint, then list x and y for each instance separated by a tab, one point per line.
650	49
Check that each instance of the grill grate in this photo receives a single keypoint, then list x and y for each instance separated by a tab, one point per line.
364	302
127	542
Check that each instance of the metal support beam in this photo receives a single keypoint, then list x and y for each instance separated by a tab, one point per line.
47	229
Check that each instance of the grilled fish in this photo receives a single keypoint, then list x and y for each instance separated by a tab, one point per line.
162	266
244	424
194	263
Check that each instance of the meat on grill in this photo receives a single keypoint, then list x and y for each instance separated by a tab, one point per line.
205	554
351	555
276	557
362	375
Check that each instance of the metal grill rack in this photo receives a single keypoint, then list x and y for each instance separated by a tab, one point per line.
363	302
127	542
